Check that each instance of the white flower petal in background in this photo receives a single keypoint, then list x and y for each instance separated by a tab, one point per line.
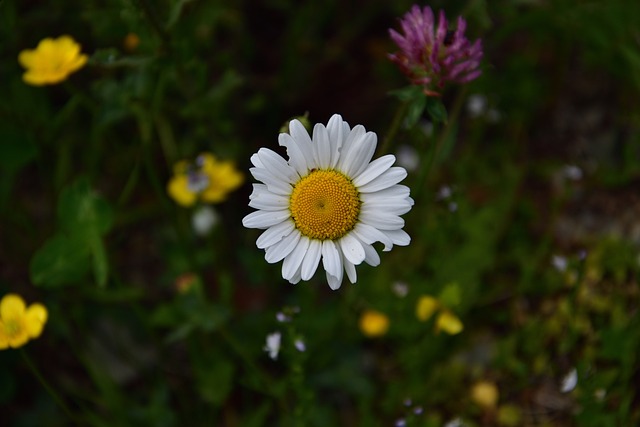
203	220
569	381
273	345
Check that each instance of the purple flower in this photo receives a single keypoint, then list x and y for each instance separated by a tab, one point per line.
431	55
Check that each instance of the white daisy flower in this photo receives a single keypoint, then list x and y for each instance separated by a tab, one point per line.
328	202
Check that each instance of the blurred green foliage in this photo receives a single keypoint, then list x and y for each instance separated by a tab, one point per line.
525	223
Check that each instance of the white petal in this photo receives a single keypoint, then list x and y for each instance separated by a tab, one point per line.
369	235
274	234
293	261
303	140
334	281
351	271
371	255
381	220
359	149
399	237
321	146
374	170
255	161
335	128
277	165
400	191
265	219
283	248
331	259
274	184
349	148
351	248
386	180
268	201
296	276
390	206
296	156
311	260
364	153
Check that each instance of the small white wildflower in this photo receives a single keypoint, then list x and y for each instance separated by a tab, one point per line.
300	345
273	345
418	410
453	206
400	423
559	263
444	192
408	157
572	172
401	289
203	220
456	422
477	105
569	381
282	318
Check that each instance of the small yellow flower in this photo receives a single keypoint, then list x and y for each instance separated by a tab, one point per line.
427	305
373	323
207	180
131	42
52	61
19	324
485	394
445	321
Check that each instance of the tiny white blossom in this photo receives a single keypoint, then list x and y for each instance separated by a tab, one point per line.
569	381
300	345
401	289
203	220
559	263
408	157
572	172
273	345
477	105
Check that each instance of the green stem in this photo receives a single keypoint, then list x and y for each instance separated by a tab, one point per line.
155	24
434	151
394	127
54	395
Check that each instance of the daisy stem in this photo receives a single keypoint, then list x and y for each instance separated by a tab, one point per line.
395	125
54	395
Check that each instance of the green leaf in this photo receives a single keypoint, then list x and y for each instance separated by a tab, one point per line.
436	110
100	263
215	380
62	260
408	93
415	110
81	210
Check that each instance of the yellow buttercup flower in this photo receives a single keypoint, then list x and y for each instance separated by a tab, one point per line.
52	61
373	323
485	394
19	323
445	321
208	180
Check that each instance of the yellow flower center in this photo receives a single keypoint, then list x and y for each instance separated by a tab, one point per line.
324	205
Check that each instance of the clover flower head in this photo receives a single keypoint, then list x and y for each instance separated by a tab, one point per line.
52	61
431	55
19	323
207	180
328	202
